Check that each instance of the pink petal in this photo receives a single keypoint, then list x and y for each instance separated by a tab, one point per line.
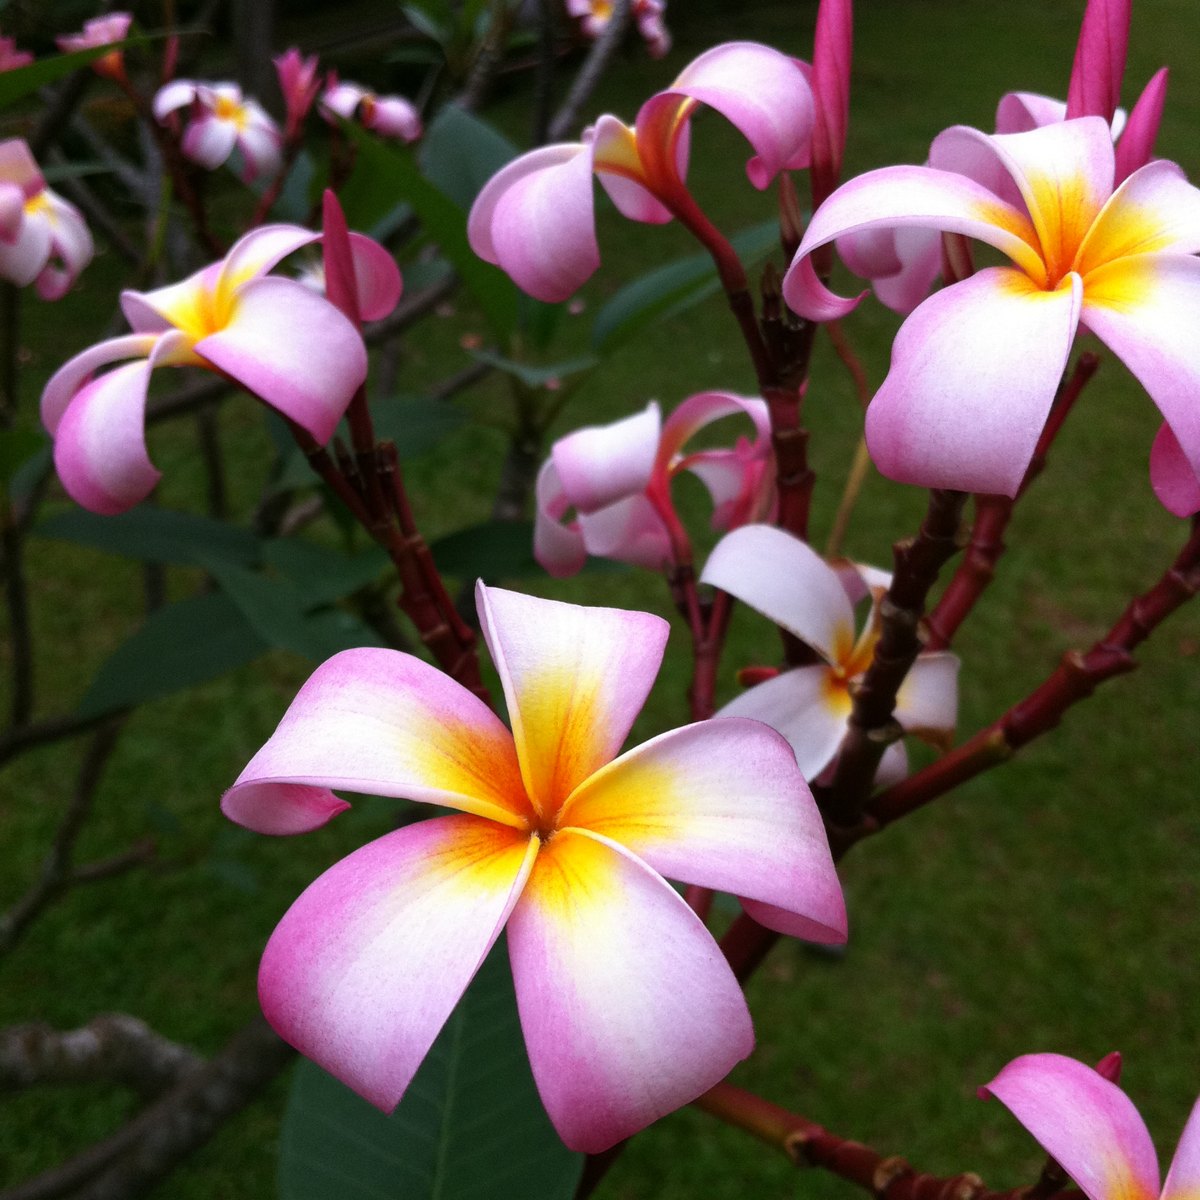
12	211
618	166
534	219
1146	310
1018	112
899	197
383	723
209	140
1099	66
833	44
255	253
701	410
1183	1178
1136	144
764	94
174	96
973	375
23	260
557	546
928	697
377	277
261	145
365	967
293	349
805	707
600	464
788	582
902	264
574	678
75	372
1173	478
19	167
188	302
70	243
685	804
1084	1122
629	531
628	1007
395	117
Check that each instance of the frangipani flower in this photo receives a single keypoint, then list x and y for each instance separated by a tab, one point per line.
221	119
535	217
627	1005
1092	1130
274	336
595	15
975	367
299	84
43	237
101	31
388	116
789	583
618	477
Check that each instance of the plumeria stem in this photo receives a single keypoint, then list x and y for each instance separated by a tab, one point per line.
1074	679
871	725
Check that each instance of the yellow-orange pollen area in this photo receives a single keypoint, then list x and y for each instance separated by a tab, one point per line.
227	109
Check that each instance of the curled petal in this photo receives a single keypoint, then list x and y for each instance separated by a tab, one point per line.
376	276
254	254
1084	1122
70	244
974	371
75	372
788	582
174	96
629	531
764	94
685	804
387	724
619	167
534	219
557	546
1183	1179
701	410
927	702
1136	144
209	140
365	967
1019	112
574	678
628	1007
1173	478
601	464
293	349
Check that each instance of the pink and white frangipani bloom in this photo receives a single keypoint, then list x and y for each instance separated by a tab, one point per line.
277	338
535	217
1090	1127
43	238
388	116
789	583
299	84
628	1007
221	119
975	367
101	31
618	477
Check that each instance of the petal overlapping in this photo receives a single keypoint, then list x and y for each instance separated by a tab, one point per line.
788	582
600	464
71	376
388	724
365	967
974	372
293	349
630	531
1096	73
1173	478
1136	143
557	546
23	259
574	679
686	805
70	244
1084	1122
619	169
209	140
628	1007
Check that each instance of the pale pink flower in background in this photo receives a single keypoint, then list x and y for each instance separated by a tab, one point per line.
976	366
10	57
101	31
1091	1128
781	577
535	218
220	118
44	239
299	84
628	1007
388	116
617	479
274	336
594	17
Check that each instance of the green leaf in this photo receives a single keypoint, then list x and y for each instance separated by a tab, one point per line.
277	610
460	152
384	174
155	535
323	575
493	550
416	423
22	81
537	376
470	1126
185	643
672	288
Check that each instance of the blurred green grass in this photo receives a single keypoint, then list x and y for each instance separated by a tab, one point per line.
1050	905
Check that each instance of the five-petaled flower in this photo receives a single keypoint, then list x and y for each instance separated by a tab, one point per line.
279	339
535	217
787	581
628	1007
43	238
975	367
222	119
1090	1127
617	478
